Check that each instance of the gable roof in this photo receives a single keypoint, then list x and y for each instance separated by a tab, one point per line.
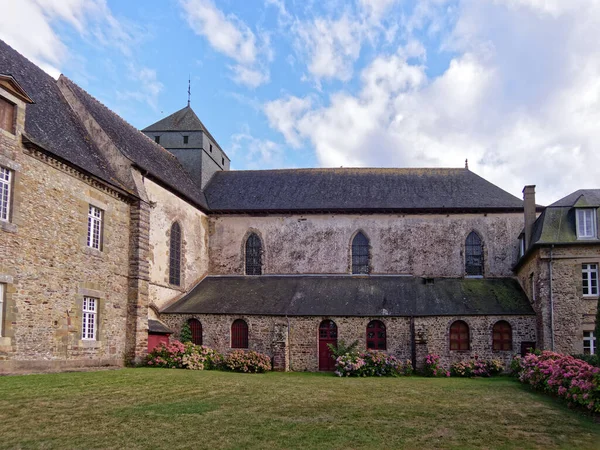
8	82
141	150
355	189
49	122
343	295
580	199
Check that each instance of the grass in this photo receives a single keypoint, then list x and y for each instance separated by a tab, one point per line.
162	408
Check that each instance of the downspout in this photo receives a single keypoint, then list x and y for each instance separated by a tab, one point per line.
413	346
289	342
551	303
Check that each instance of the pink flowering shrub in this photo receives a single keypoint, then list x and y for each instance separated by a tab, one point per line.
176	355
476	368
433	368
371	364
246	361
564	376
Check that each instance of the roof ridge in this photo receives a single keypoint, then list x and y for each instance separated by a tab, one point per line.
171	155
310	169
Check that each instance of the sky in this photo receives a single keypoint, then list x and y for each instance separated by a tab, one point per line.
511	85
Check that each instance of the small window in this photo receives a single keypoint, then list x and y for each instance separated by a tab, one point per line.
7	115
502	336
175	255
196	329
210	148
157	139
521	246
2	293
360	254
589	343
473	255
5	187
185	139
459	336
239	334
253	255
376	338
222	161
94	239
589	278
586	223
90	312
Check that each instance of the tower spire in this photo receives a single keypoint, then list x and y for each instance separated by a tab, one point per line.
189	90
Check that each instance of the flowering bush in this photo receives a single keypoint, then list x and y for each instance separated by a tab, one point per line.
476	368
176	355
433	368
371	364
246	361
564	376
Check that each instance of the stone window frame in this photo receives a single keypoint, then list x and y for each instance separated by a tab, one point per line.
501	341
581	221
464	350
239	334
351	253
86	313
249	233
100	297
483	254
587	281
15	112
91	229
6	193
592	340
175	275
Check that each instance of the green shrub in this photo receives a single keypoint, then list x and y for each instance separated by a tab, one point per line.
186	333
246	361
592	360
343	349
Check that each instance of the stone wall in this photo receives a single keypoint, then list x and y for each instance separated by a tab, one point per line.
573	313
48	268
420	245
166	209
431	335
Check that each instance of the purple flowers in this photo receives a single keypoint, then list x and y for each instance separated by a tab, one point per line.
371	364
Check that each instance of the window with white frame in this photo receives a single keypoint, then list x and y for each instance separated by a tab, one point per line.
2	291
589	278
5	180
94	238
586	223
90	313
589	343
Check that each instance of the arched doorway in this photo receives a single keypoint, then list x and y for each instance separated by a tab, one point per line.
327	335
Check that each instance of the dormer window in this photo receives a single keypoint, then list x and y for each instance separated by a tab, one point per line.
521	246
7	116
586	223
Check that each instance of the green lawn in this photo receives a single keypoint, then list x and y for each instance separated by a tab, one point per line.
162	408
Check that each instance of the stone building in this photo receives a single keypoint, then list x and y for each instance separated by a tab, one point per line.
112	239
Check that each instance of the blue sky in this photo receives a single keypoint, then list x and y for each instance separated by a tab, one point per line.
513	86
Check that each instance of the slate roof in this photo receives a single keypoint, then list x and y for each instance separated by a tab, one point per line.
355	189
50	123
340	295
140	149
158	327
556	224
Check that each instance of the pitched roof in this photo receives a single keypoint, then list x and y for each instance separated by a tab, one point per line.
580	198
50	123
355	189
141	150
352	296
158	327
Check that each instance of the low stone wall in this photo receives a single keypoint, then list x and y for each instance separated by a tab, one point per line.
300	350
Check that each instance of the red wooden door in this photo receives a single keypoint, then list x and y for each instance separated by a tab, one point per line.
154	340
327	335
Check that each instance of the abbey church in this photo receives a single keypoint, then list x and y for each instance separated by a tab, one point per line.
112	239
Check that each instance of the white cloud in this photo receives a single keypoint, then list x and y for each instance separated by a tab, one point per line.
520	99
149	86
232	37
255	153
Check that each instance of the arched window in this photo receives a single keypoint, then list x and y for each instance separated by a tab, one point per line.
253	255
473	255
502	336
175	255
459	336
196	329
239	334
376	339
360	254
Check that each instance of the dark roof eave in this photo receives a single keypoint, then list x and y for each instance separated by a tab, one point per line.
351	315
370	210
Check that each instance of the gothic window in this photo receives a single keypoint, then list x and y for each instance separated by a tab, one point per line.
502	336
175	255
253	255
459	336
473	255
196	329
239	334
376	338
360	254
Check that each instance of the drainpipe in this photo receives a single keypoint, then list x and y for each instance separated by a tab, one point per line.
551	303
289	342
413	346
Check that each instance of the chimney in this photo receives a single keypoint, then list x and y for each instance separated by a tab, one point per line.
529	205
